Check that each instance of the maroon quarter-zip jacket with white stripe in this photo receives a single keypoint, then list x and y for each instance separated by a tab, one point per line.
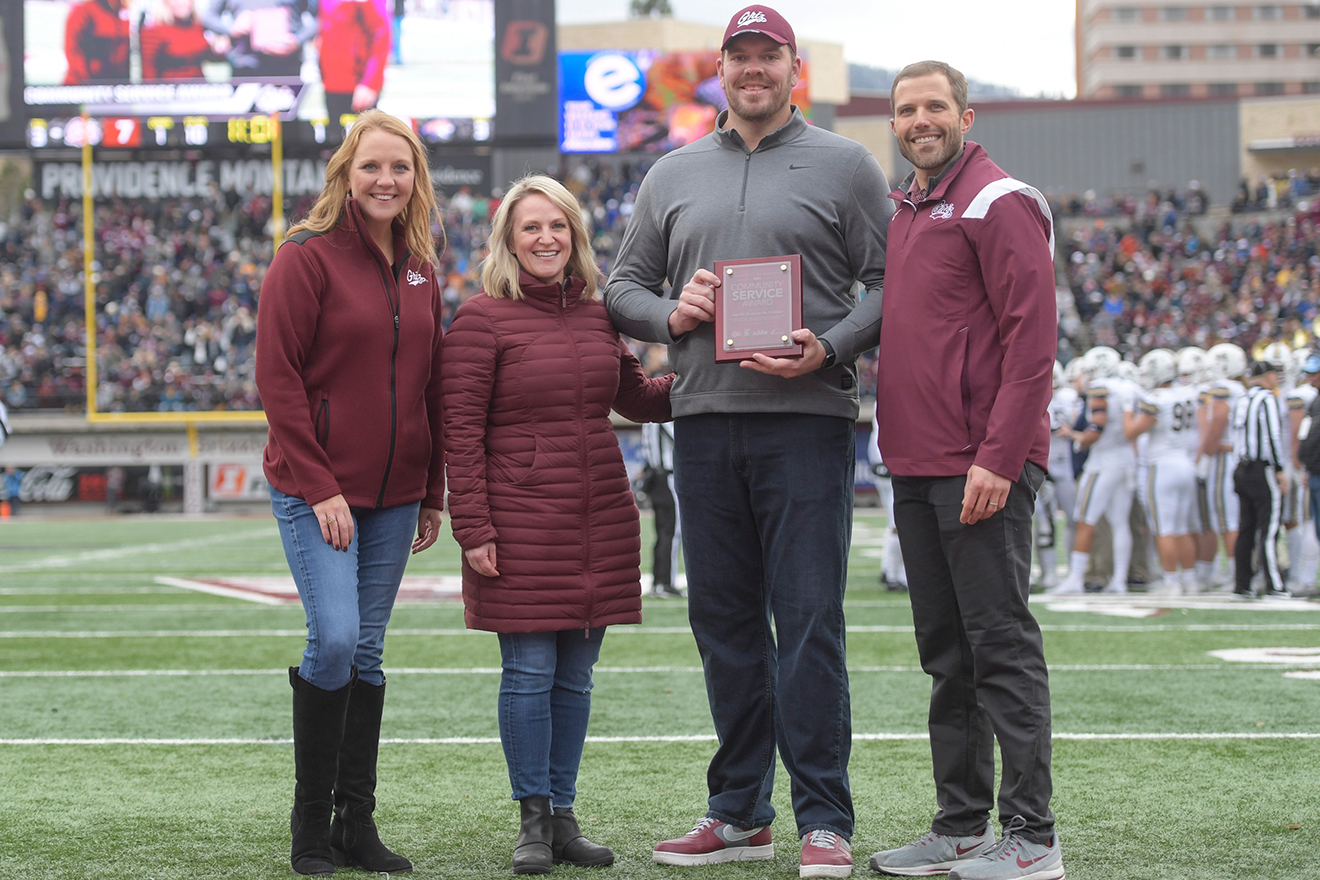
970	327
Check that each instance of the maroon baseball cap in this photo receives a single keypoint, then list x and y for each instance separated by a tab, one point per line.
759	19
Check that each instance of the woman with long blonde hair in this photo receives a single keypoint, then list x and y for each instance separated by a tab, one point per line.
348	366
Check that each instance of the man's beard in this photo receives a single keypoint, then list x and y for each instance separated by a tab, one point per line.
953	143
778	100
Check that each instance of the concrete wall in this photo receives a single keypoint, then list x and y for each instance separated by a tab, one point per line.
1279	134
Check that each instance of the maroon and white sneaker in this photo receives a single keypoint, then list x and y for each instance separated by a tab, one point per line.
825	854
713	841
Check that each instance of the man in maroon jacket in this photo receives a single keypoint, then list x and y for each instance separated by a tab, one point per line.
967	350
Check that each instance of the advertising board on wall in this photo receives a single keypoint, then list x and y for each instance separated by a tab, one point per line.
628	101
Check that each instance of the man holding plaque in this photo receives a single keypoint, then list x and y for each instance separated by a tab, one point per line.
764	430
966	375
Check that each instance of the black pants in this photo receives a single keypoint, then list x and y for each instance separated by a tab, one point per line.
1260	507
666	519
983	651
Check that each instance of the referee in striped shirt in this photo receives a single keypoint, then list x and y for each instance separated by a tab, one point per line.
1260	481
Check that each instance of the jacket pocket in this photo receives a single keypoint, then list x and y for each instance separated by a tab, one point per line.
322	424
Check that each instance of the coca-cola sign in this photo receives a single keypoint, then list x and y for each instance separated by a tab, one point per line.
47	484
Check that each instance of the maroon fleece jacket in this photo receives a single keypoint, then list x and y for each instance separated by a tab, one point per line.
348	366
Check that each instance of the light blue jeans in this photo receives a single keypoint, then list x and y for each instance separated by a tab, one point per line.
347	594
544	706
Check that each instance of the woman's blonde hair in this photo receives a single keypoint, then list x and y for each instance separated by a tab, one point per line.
416	216
499	272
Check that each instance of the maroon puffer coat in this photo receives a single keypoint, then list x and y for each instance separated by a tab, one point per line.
533	463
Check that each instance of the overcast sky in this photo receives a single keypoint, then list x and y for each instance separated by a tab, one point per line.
1024	44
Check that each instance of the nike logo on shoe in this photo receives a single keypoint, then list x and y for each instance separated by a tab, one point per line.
1029	862
964	850
732	834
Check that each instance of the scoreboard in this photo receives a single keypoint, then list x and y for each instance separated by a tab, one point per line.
134	132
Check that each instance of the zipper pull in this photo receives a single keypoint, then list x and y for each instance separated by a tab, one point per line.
396	322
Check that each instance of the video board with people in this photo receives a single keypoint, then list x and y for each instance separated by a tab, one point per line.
630	101
321	61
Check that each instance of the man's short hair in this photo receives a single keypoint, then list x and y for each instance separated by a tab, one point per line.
957	82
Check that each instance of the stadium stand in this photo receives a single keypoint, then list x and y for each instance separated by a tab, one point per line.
177	282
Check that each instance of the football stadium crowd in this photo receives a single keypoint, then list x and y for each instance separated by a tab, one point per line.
177	282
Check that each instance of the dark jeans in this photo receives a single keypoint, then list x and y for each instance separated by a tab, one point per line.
766	507
982	649
1260	506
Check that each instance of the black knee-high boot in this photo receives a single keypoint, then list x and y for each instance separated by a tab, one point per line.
318	730
353	836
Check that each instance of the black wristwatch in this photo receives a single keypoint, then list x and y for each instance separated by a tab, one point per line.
830	356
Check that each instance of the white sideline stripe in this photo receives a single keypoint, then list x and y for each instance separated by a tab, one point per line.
675	738
209	607
134	550
627	630
617	670
80	591
217	590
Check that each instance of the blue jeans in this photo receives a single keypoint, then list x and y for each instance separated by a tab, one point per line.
348	594
766	502
544	706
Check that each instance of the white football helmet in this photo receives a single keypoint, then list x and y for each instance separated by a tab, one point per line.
1058	375
1101	362
1191	364
1074	369
1226	361
1158	367
1299	359
1128	371
1277	355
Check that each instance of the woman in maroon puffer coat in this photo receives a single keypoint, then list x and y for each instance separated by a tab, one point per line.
539	498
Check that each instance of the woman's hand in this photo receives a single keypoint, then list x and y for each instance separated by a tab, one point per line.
428	528
482	559
336	521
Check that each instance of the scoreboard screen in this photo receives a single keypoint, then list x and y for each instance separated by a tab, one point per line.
170	63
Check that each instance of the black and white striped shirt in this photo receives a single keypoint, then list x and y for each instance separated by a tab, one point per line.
1257	432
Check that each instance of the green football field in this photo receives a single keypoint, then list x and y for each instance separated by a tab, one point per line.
145	721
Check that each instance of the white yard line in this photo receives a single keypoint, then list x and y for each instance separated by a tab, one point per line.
622	670
673	738
135	550
628	630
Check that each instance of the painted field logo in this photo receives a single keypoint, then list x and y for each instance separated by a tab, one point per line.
751	18
415	277
942	211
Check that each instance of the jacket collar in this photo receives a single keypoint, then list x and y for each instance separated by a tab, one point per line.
568	293
943	180
730	139
354	222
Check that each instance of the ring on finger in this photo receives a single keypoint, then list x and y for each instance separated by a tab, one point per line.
329	520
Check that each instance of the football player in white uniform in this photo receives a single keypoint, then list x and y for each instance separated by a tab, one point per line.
1303	546
893	574
1193	372
1227	365
1167	415
1059	492
1106	484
